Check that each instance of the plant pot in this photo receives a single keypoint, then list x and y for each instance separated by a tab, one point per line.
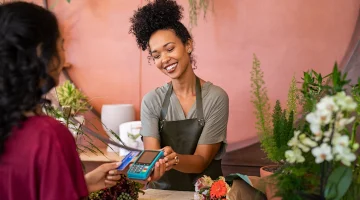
270	186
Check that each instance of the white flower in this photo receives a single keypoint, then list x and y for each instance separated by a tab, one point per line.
294	155
294	140
312	118
307	141
341	123
327	104
319	117
316	130
342	141
322	153
344	154
198	196
346	103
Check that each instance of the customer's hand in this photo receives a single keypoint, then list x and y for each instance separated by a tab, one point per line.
106	175
171	158
159	170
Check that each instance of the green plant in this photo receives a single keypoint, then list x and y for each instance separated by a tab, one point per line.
195	6
293	97
282	132
321	155
260	100
273	130
72	99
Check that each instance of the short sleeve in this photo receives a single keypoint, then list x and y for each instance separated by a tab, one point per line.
217	118
149	115
59	167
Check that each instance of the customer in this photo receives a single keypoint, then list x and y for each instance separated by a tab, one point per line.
38	157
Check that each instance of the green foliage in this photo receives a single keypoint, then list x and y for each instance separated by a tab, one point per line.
195	6
260	100
282	132
338	183
72	99
292	98
293	182
353	192
274	135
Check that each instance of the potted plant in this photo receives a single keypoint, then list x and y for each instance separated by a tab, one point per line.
321	156
273	129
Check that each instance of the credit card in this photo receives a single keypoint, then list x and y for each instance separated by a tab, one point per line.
127	159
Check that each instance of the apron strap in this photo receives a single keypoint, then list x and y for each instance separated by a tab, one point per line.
199	106
166	103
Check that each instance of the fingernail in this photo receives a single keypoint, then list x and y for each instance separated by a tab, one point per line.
118	163
157	165
166	159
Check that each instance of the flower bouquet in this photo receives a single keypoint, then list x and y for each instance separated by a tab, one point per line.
321	159
126	189
208	189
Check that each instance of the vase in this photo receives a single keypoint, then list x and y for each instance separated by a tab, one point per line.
130	135
112	115
270	183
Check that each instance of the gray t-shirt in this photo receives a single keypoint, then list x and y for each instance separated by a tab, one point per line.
215	107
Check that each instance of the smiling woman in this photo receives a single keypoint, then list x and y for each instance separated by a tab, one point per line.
187	117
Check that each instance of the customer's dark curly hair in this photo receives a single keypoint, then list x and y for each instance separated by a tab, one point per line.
158	15
28	46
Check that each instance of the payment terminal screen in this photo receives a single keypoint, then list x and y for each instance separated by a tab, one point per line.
147	157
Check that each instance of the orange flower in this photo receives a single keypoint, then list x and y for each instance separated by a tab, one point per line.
218	189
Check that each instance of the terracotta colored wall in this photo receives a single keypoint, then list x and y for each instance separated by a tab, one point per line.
289	37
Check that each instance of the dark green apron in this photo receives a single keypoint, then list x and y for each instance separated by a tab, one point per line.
183	137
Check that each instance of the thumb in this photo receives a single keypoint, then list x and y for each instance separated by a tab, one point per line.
109	166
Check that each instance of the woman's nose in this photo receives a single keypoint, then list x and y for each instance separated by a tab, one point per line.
165	59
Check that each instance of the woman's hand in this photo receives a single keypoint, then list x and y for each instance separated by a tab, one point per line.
102	177
159	170
171	158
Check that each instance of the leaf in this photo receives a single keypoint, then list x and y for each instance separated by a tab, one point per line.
68	1
338	183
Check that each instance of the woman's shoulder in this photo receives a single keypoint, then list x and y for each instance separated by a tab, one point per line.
213	91
156	95
47	127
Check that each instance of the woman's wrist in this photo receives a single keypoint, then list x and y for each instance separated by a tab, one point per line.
90	186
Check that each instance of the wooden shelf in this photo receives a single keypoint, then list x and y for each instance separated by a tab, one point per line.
99	157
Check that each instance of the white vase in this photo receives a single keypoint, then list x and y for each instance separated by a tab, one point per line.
112	115
130	135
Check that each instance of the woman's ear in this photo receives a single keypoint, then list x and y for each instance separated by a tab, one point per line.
189	46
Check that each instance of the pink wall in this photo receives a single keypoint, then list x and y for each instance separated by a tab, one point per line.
289	37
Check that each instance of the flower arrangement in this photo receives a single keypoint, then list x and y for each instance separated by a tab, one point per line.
126	189
321	156
208	189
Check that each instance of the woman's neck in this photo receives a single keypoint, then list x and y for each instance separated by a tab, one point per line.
37	111
185	85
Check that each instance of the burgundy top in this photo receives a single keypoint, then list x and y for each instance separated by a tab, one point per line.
40	162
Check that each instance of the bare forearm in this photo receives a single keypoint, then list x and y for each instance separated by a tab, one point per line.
191	164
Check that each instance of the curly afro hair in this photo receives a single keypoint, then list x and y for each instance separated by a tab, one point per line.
28	44
158	15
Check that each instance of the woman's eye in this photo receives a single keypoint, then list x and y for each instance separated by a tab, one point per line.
156	56
170	50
